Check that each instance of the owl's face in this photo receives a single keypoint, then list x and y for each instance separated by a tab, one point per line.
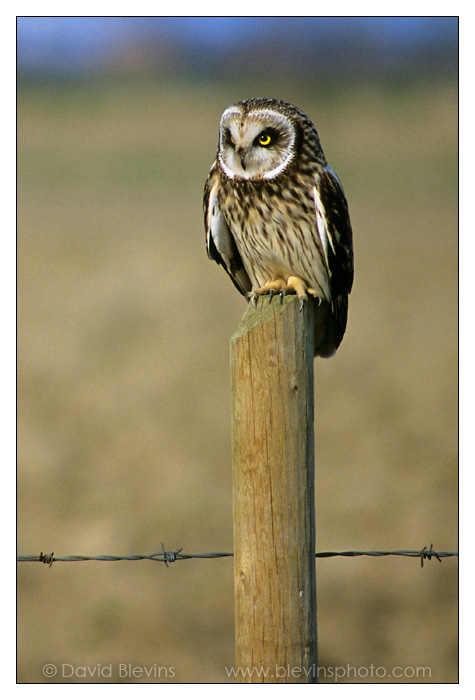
255	141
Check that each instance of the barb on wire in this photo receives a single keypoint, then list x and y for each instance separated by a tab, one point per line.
428	554
47	559
168	557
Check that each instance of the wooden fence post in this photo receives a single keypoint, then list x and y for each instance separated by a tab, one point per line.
273	475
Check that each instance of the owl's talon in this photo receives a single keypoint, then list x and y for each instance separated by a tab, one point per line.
252	296
282	287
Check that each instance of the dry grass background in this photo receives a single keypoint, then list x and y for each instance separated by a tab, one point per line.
123	380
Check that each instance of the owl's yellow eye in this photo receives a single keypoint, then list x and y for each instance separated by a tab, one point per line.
232	140
264	140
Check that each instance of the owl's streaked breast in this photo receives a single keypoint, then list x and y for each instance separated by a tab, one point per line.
273	234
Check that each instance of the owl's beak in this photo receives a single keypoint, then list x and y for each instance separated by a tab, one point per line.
242	156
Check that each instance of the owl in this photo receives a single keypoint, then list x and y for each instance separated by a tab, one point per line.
276	217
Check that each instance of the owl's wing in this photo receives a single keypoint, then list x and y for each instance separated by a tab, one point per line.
334	231
220	243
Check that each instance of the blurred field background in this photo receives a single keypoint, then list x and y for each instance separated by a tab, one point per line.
123	358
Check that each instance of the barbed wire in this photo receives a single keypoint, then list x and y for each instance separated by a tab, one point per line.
168	557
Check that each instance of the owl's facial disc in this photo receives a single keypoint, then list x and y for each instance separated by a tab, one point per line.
255	145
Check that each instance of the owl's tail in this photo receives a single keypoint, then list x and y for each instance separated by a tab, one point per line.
330	325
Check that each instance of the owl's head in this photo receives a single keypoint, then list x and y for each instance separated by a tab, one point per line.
260	138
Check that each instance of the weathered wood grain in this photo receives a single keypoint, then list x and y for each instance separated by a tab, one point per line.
273	473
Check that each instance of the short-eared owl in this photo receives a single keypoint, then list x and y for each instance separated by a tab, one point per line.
276	217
